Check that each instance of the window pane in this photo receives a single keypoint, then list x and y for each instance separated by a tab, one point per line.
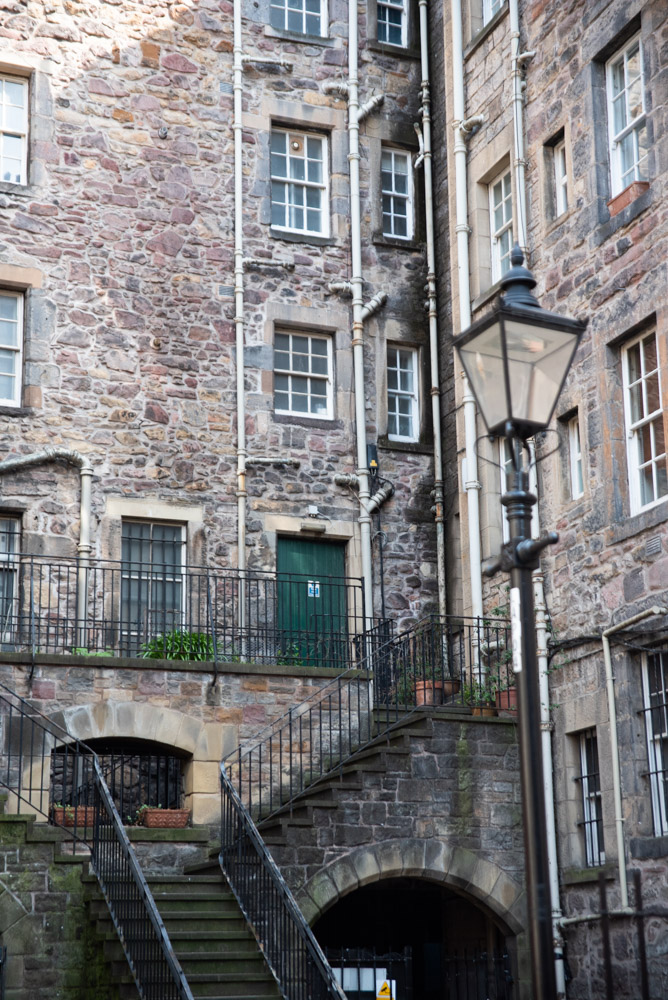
319	365
6	387
634	369
7	362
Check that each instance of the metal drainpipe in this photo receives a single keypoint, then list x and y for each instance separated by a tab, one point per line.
357	304
518	130
426	160
471	483
614	745
237	127
85	476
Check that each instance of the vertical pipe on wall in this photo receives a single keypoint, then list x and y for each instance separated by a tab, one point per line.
471	482
439	517
357	306
237	128
518	129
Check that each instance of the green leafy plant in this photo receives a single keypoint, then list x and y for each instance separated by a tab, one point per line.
82	651
289	655
179	645
477	693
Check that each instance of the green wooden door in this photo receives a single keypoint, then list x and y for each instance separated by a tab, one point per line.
312	617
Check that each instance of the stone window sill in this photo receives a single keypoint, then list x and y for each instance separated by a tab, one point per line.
318	241
623	217
411	447
639	522
18	190
296	36
394	243
315	423
15	411
398	51
579	876
627	197
647	848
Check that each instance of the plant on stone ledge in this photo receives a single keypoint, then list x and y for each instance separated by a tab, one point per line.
179	645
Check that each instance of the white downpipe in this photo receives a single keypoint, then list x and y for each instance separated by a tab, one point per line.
237	127
426	160
85	476
614	744
518	127
546	743
358	305
471	482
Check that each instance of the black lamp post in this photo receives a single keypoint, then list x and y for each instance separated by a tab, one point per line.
516	360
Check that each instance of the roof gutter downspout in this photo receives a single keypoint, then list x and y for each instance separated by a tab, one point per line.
518	128
614	745
85	475
471	483
237	128
358	305
426	161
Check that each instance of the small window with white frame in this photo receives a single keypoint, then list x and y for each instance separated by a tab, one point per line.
627	126
391	19
299	182
560	177
13	130
397	193
9	568
303	17
403	410
303	383
655	710
490	8
575	457
645	423
11	347
501	223
592	807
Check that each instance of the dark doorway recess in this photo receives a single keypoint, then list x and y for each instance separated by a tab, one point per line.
432	942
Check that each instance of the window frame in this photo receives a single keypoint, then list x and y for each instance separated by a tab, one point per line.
328	379
505	456
489	9
304	184
575	464
9	570
387	5
145	571
413	395
657	744
276	5
408	198
592	800
16	352
496	234
560	178
22	134
633	427
633	127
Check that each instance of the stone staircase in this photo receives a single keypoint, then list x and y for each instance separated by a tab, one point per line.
211	939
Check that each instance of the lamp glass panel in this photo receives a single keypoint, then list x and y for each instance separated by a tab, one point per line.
482	358
538	359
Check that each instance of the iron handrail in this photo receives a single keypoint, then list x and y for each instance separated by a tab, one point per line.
287	941
28	737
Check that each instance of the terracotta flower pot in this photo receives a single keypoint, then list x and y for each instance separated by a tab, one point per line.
486	710
428	692
74	815
165	818
506	701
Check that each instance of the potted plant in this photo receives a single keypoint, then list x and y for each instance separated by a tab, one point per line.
157	818
81	816
480	697
505	696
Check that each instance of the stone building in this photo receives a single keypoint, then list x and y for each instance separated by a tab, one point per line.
558	141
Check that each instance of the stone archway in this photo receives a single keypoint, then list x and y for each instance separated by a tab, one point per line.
457	867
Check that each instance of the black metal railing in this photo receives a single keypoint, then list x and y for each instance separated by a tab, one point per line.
28	740
195	613
464	664
287	942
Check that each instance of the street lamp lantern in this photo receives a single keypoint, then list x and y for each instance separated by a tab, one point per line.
516	360
517	357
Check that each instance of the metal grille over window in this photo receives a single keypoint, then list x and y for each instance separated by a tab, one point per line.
299	182
501	218
302	375
151	581
304	17
11	342
9	564
402	394
392	22
648	463
626	110
590	781
13	130
396	191
655	684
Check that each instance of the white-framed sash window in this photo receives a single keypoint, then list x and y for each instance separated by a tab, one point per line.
13	130
645	422
627	127
303	383
501	223
575	457
299	182
391	19
655	697
303	17
397	193
403	411
11	347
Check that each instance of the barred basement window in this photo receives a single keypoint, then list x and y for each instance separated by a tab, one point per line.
152	591
655	696
303	375
590	784
299	182
403	423
645	423
627	127
13	130
392	22
397	194
9	568
304	17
